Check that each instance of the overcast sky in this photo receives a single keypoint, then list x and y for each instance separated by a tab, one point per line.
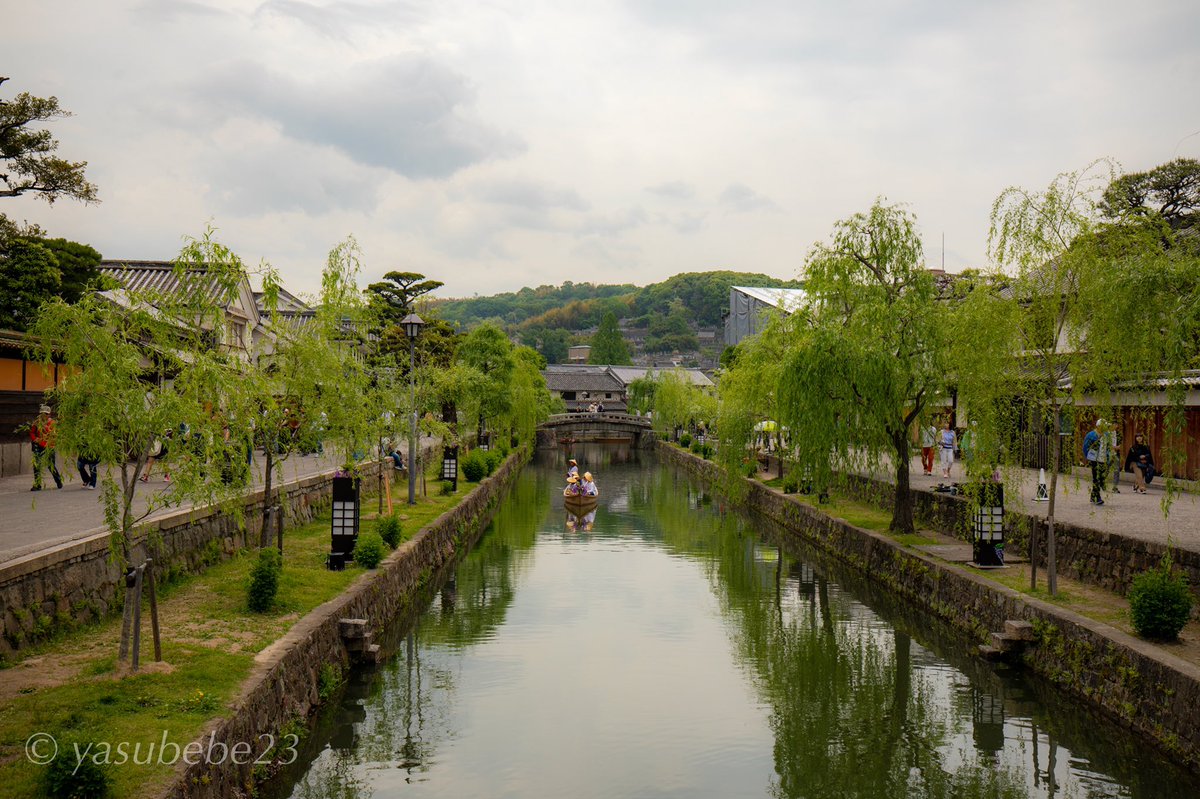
502	143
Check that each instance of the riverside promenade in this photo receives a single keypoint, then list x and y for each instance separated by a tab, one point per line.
31	521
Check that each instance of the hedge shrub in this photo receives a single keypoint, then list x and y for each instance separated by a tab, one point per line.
685	440
474	465
264	580
494	459
369	550
389	529
68	777
1159	602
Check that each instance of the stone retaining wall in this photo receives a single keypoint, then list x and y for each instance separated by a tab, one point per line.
1138	684
284	682
77	582
1099	558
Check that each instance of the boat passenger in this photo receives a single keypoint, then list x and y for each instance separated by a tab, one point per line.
572	489
588	487
572	469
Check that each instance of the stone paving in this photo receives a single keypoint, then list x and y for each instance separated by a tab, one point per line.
1125	512
31	521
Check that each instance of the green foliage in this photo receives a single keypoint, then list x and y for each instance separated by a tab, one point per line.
872	354
115	405
1160	603
641	394
493	458
608	345
29	276
28	163
264	580
329	680
525	305
474	465
445	488
390	529
369	550
685	440
791	484
672	332
1170	192
702	295
394	296
67	777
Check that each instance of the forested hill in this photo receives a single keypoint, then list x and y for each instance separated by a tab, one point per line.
575	306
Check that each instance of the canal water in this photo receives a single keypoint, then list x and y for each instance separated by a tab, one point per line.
667	647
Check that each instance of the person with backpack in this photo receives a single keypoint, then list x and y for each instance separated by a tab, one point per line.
1096	451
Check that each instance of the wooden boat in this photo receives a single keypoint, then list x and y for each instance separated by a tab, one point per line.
578	504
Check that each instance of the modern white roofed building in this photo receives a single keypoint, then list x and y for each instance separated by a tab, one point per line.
747	304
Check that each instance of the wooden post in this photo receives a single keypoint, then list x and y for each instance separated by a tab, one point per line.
154	612
137	616
387	485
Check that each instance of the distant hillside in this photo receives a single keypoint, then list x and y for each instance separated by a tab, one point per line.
578	306
514	308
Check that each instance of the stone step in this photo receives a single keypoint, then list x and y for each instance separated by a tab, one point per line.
990	652
1020	630
359	644
1004	643
372	654
352	628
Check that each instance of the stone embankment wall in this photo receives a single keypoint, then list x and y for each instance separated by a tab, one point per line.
1103	559
76	582
283	685
1147	690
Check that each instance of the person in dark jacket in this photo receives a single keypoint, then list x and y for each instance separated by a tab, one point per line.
1140	461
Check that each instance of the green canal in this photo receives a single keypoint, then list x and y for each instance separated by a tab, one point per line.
669	647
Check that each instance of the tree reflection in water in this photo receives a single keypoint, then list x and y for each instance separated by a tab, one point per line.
862	697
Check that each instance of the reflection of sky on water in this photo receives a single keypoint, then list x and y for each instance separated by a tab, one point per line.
672	652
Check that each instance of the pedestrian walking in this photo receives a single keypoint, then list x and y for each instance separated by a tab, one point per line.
41	440
1096	452
928	439
947	443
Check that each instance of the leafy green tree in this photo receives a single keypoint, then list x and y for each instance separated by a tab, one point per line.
34	269
28	164
748	397
312	388
1170	192
29	275
641	394
489	353
872	354
79	264
395	296
1098	304
671	333
608	345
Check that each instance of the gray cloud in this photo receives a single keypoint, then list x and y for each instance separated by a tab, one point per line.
531	195
744	199
674	190
339	19
176	10
290	177
409	115
615	223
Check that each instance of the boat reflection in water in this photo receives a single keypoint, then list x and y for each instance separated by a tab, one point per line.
581	522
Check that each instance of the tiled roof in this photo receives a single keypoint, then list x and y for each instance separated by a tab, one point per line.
157	276
627	374
585	379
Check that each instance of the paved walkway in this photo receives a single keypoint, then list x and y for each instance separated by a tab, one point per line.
33	520
1127	513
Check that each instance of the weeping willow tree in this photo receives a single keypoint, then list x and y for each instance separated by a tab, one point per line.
869	354
313	386
678	403
1099	312
747	394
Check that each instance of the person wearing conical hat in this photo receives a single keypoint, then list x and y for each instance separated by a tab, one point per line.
573	468
572	489
588	487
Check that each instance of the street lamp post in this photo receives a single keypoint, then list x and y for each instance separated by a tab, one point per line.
412	325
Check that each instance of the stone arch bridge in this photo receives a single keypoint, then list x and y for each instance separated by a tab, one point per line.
573	428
